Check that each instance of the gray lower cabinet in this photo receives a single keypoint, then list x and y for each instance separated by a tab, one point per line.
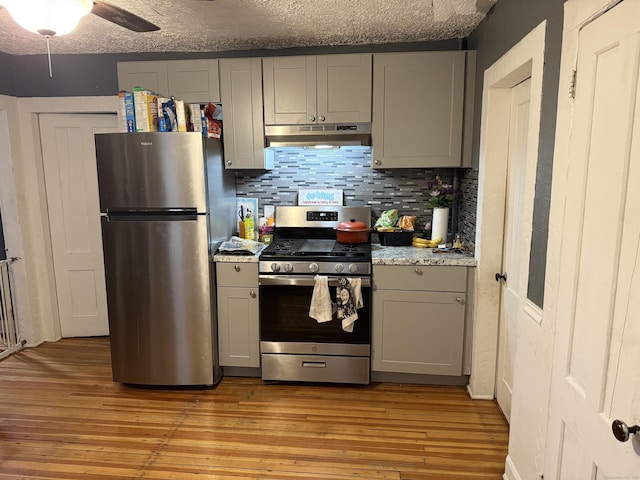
418	319
238	328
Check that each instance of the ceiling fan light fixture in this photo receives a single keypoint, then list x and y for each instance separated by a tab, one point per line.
48	17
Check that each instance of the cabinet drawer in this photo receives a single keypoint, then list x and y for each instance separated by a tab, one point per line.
420	277
237	274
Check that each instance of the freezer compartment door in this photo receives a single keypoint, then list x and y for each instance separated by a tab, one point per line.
159	302
150	170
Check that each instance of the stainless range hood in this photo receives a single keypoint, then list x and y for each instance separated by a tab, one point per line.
325	135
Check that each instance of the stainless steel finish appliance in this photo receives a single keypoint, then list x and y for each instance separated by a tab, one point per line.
166	203
342	134
294	346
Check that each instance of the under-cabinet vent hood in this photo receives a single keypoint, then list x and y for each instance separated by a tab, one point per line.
330	135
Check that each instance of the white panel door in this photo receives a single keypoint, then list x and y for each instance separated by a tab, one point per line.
69	157
513	288
596	374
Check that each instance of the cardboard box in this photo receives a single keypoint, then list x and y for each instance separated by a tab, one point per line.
146	110
126	112
195	117
181	116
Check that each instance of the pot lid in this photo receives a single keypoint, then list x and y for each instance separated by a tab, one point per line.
352	226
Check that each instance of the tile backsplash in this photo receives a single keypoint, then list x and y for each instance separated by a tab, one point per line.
349	169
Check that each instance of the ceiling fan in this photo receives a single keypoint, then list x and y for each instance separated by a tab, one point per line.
122	17
58	17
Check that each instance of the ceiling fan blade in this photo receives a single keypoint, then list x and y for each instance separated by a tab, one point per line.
122	17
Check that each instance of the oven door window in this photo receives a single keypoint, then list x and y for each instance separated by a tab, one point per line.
284	317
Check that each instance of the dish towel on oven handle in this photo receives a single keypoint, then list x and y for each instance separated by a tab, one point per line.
349	298
321	307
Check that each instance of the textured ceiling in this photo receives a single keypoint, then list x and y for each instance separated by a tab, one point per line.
231	25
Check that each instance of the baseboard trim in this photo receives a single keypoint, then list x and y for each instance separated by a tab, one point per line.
510	473
478	397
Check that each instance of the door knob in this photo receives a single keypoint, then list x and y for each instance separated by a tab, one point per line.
501	277
253	294
312	118
377	162
622	431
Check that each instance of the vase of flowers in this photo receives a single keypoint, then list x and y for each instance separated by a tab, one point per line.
441	198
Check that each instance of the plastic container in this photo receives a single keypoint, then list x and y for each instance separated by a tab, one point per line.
396	239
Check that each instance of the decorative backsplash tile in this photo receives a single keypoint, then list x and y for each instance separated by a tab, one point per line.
349	169
468	206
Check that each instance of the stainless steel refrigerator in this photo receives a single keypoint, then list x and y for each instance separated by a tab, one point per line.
166	203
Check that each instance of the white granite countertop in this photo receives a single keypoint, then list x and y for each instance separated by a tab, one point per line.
227	258
418	256
384	256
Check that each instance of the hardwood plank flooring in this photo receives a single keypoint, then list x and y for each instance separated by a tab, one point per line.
62	417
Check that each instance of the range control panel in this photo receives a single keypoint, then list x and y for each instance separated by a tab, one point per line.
315	216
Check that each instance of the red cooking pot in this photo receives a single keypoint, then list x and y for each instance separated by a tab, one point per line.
352	232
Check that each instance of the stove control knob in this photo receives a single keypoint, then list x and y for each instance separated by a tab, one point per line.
275	267
314	267
339	268
353	268
288	267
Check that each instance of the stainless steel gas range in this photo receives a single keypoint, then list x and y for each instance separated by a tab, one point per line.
294	346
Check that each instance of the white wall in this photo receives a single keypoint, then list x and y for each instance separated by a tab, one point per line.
24	208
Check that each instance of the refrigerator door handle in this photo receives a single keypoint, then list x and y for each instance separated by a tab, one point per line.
147	214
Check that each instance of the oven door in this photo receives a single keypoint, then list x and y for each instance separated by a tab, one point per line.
284	315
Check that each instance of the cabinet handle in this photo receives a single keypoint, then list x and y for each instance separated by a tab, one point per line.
321	118
252	293
418	271
236	268
312	118
377	162
460	300
229	163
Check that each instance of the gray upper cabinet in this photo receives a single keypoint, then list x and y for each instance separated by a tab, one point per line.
149	75
194	81
317	89
419	109
243	131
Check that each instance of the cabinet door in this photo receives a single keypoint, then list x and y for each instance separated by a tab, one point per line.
344	88
418	332
289	90
148	75
418	106
238	337
243	131
194	81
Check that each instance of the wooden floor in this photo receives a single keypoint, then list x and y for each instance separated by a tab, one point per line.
61	417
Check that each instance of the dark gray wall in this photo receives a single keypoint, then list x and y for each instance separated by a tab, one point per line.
88	75
505	25
6	74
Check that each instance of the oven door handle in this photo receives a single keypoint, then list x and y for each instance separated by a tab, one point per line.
303	280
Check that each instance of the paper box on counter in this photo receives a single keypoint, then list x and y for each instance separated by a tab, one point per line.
314	196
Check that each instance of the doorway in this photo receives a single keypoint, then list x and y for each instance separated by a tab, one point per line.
513	246
68	155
